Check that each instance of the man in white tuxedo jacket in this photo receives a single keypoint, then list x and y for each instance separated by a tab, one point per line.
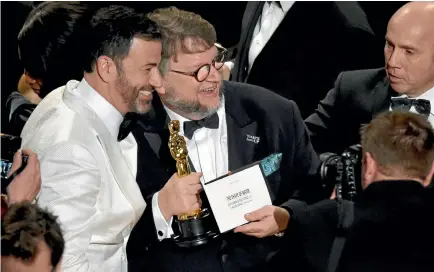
88	173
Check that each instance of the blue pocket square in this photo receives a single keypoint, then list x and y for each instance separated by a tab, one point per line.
271	163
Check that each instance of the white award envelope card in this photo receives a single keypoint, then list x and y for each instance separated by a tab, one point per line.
232	196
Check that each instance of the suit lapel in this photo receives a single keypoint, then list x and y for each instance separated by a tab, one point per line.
381	94
288	32
240	150
242	132
252	14
120	169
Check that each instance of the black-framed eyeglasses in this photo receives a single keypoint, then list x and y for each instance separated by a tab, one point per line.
202	73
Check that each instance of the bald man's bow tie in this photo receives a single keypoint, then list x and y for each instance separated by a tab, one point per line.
422	106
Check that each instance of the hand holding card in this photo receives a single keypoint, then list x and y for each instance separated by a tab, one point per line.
242	192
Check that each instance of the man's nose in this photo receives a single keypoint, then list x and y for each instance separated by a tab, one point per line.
214	74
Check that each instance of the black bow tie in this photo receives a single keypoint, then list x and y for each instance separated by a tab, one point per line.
208	122
422	106
126	126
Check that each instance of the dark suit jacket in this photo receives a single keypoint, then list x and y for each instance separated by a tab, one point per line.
312	45
392	231
358	96
250	110
19	110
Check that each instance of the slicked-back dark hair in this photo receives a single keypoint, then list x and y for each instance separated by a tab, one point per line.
24	226
111	32
49	43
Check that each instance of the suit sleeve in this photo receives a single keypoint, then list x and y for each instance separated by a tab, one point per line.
70	186
19	117
303	166
325	119
145	234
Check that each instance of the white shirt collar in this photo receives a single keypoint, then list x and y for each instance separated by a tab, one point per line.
286	5
175	116
428	95
110	116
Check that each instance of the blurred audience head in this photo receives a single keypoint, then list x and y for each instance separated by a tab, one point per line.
48	45
31	239
398	146
190	63
409	49
123	50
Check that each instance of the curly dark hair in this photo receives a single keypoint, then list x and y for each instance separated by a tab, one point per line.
24	226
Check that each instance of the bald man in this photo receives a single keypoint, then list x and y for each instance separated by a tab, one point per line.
406	82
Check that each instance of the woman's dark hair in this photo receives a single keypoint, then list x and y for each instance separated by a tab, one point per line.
49	43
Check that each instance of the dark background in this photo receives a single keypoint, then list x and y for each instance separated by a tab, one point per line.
226	17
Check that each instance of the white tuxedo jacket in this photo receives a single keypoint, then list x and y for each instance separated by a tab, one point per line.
86	180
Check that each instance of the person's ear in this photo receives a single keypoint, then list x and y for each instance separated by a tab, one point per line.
370	169
156	80
106	69
428	179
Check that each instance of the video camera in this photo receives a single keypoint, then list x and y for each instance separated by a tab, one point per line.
343	170
9	146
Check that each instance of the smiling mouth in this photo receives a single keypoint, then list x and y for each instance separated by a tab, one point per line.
145	93
209	90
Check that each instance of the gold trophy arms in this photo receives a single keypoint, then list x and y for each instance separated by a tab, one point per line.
179	152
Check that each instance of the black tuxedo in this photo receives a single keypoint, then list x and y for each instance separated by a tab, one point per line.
391	231
357	97
19	110
312	45
250	110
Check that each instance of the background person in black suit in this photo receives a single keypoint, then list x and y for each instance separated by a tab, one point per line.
393	218
360	95
244	124
312	44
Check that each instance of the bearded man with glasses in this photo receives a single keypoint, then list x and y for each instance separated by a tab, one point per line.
226	125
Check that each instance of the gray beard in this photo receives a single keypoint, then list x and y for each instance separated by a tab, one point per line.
189	109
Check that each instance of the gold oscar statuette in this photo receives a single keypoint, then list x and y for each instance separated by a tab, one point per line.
178	150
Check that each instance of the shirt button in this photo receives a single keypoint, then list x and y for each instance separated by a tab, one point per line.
160	233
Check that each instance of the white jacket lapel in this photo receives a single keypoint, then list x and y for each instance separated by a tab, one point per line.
121	172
